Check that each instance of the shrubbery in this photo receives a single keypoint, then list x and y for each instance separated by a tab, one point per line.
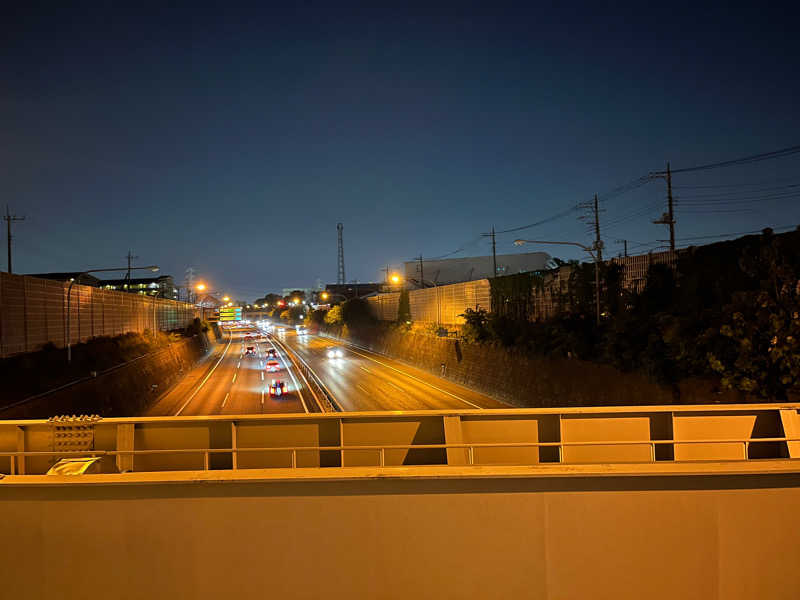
732	310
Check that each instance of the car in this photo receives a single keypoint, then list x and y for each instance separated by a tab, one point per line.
278	388
273	365
272	353
250	351
335	353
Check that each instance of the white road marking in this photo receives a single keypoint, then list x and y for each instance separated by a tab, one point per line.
234	378
399	389
225	399
202	383
239	365
415	378
296	384
262	375
364	368
362	388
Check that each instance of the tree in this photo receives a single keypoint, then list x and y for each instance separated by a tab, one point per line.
268	299
762	328
356	312
475	325
334	315
318	316
404	308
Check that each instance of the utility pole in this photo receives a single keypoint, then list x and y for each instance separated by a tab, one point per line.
671	213
9	218
386	275
130	258
340	278
597	242
668	218
421	272
494	250
625	243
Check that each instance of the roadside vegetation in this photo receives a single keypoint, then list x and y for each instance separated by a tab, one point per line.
729	310
32	373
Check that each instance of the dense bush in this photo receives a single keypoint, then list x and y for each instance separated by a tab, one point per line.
730	309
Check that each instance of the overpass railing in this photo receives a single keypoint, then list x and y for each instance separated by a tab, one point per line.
754	434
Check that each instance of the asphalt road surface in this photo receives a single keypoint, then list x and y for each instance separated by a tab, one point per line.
233	383
363	381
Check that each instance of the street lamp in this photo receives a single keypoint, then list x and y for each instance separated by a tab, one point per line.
67	333
592	250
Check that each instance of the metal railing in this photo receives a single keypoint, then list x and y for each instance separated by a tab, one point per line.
380	450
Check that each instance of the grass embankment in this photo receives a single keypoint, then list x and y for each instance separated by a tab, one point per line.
33	373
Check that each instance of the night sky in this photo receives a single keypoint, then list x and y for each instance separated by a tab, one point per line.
233	139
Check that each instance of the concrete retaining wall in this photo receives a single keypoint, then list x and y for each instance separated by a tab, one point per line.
527	381
126	390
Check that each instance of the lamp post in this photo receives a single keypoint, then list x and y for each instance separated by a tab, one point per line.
67	333
592	250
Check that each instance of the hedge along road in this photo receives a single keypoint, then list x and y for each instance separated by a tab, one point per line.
362	380
236	384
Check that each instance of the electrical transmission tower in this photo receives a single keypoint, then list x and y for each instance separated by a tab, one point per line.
340	278
9	218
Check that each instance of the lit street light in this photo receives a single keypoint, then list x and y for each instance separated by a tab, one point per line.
396	278
592	251
152	268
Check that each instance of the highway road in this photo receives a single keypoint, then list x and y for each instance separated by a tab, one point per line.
362	380
234	383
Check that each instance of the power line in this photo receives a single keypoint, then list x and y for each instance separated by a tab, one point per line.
555	217
736	161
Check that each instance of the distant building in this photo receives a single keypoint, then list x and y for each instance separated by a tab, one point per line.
457	270
86	278
143	285
351	290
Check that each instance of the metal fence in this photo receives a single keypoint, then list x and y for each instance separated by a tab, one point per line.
33	312
441	304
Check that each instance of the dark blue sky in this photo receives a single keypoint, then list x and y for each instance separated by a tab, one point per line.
233	139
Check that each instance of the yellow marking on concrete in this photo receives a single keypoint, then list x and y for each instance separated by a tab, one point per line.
225	399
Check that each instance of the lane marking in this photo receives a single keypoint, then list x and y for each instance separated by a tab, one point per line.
225	399
202	383
239	365
262	397
359	386
415	378
365	369
262	375
289	370
234	378
399	389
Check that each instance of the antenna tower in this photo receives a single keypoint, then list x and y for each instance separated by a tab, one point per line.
340	279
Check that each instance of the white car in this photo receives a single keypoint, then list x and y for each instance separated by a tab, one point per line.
335	353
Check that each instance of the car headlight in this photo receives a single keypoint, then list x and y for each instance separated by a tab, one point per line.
331	353
339	354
